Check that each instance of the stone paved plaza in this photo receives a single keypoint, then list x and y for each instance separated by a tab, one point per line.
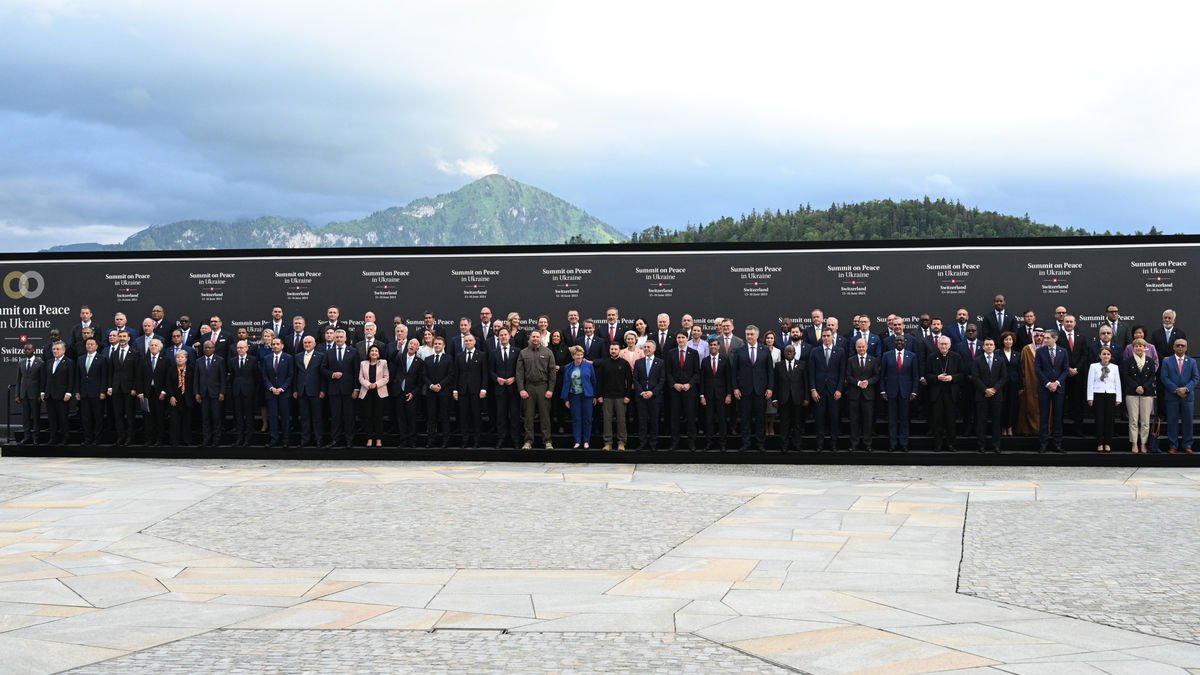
193	566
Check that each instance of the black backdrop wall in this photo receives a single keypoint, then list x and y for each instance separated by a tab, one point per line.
750	284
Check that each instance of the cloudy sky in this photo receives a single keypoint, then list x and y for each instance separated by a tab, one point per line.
115	115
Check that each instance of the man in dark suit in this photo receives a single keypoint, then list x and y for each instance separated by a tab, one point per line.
470	390
1163	338
998	320
333	319
826	367
211	386
339	370
1105	339
1077	346
244	379
308	390
405	388
76	336
1120	328
958	330
970	348
438	374
485	334
683	385
278	324
943	376
989	376
31	386
662	335
862	375
458	344
862	331
594	347
220	337
753	387
812	334
162	325
1052	365
124	383
716	392
363	346
294	344
277	374
176	344
649	382
142	341
1026	329
155	372
613	330
573	333
60	385
1180	377
900	373
430	325
91	388
791	396
502	365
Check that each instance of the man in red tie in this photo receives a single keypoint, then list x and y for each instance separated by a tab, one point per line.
683	384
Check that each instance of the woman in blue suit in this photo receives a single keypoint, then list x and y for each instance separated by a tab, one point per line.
578	393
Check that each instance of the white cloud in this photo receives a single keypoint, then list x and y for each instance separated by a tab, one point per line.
475	167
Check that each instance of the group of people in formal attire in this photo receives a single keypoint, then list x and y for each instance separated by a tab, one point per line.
617	381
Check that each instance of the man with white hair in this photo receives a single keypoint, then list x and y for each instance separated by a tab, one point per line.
943	375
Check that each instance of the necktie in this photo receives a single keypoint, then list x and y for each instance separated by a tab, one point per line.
989	360
89	363
296	341
276	362
680	358
437	358
827	355
1000	319
1052	355
1179	361
1071	341
574	333
899	361
504	354
612	332
55	368
468	356
242	362
153	362
862	362
727	345
714	365
29	366
214	337
789	366
307	357
752	355
587	343
972	350
340	351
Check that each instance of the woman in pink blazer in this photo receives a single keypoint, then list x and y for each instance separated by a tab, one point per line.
373	381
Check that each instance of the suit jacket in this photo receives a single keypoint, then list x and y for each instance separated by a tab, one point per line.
170	349
362	347
1118	351
307	382
154	379
1120	331
951	364
164	328
1078	351
715	386
382	377
1133	377
471	375
987	378
1023	337
991	327
654	381
826	378
139	342
60	381
1173	378
285	328
957	332
31	379
587	379
278	378
124	375
223	345
964	350
856	373
688	373
454	345
439	371
813	336
602	330
292	346
91	382
661	345
791	385
405	378
243	379
76	336
753	378
1051	370
502	367
348	367
900	380
211	379
735	343
571	340
874	345
598	349
1159	339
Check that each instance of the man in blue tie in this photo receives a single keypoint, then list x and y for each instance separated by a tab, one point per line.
1052	365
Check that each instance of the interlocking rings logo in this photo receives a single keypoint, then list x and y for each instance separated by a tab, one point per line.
27	285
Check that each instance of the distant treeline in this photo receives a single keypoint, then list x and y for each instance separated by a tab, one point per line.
882	219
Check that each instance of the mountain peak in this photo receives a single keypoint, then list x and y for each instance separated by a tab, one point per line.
491	211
